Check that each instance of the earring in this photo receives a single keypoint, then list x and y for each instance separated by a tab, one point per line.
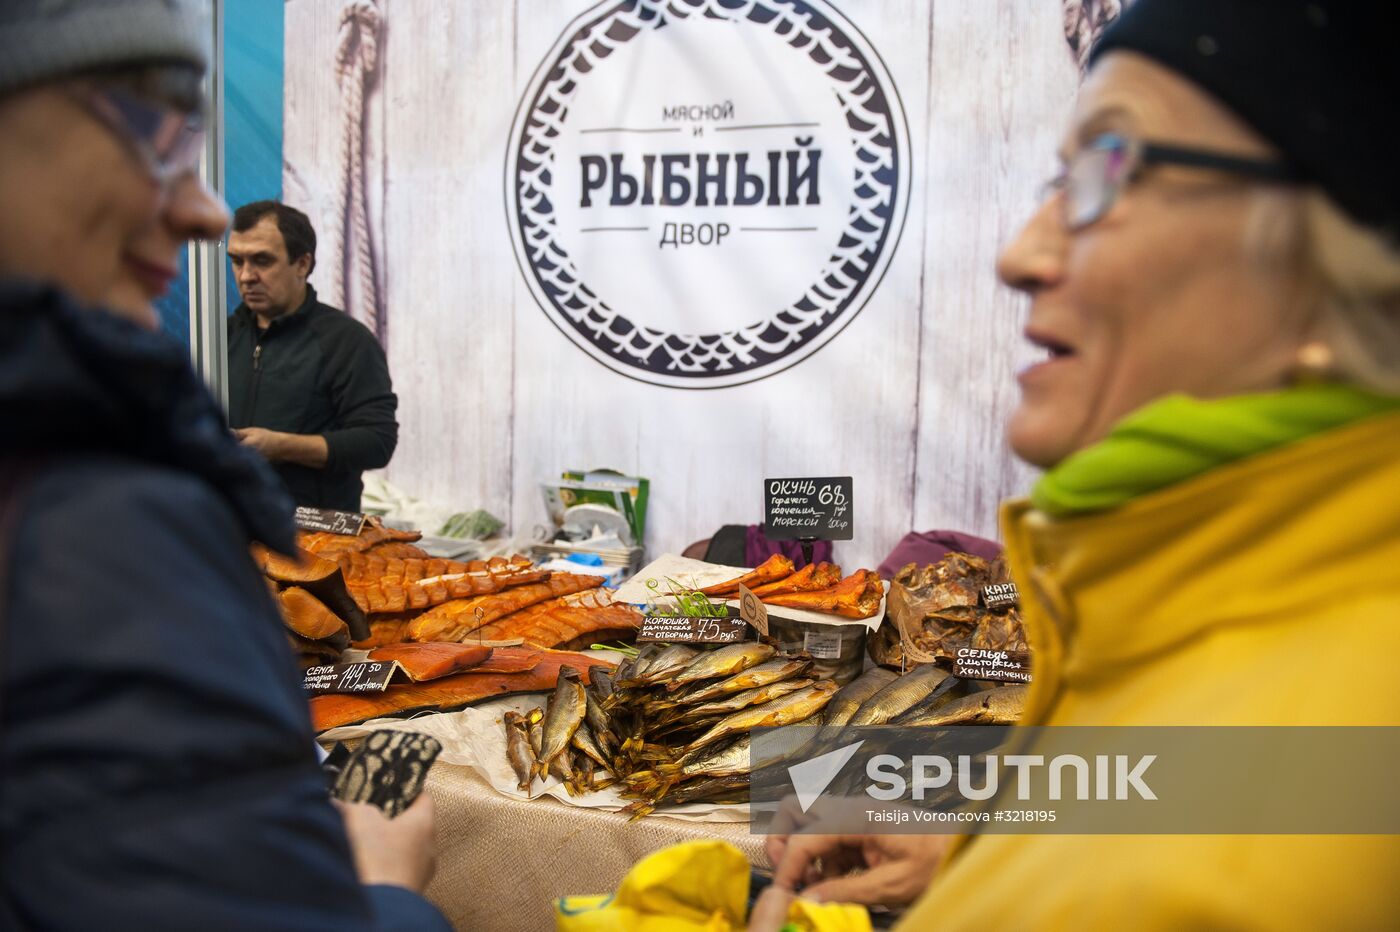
1314	363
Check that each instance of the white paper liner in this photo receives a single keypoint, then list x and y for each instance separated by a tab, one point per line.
698	574
475	737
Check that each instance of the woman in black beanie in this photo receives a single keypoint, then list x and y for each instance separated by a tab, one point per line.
1214	279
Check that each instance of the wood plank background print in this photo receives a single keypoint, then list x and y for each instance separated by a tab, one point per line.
910	399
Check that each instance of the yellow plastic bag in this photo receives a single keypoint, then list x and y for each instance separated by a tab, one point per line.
696	886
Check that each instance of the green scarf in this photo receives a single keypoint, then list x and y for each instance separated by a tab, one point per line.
1179	437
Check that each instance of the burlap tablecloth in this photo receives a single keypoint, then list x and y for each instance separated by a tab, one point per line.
502	862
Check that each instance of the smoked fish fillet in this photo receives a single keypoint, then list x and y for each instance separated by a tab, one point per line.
374	532
308	616
433	660
400	549
454	620
771	570
305	568
385	629
389	584
321	577
856	596
527	657
810	577
444	695
567	622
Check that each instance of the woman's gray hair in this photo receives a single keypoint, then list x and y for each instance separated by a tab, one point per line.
1349	279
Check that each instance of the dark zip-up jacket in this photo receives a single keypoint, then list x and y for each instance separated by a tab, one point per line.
156	761
315	370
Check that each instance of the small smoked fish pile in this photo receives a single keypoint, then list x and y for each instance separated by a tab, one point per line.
940	605
670	725
817	587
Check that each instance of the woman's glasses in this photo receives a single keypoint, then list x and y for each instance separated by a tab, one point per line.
165	138
1095	175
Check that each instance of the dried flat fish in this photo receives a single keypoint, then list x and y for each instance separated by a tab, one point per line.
1000	706
948	691
756	696
562	718
770	672
585	741
787	710
598	722
534	722
518	750
729	789
726	661
670	660
899	696
845	703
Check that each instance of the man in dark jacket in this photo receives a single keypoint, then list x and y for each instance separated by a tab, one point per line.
308	385
157	768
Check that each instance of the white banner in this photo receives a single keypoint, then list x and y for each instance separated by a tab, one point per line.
701	241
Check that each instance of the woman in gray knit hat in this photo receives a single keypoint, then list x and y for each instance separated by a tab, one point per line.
157	755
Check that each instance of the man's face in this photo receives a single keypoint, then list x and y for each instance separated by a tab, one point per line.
269	283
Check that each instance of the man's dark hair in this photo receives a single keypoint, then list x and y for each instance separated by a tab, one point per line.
294	225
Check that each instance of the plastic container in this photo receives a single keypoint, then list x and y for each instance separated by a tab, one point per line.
837	649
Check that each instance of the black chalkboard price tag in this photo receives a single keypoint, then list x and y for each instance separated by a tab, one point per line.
1000	597
332	522
371	676
1004	666
812	508
691	629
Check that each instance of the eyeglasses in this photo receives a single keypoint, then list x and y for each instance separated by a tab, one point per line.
166	139
1096	175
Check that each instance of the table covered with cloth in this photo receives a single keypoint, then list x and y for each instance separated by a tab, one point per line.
502	862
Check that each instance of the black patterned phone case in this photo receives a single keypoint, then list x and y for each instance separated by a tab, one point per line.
387	770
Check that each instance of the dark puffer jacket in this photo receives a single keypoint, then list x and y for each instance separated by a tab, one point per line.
156	760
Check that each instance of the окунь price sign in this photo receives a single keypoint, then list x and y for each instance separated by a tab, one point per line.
817	508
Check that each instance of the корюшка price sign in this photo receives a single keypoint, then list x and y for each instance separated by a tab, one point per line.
816	508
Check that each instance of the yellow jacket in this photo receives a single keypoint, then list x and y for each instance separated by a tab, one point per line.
1228	599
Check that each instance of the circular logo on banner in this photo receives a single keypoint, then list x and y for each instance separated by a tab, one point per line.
702	193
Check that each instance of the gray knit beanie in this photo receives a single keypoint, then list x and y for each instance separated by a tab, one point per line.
41	40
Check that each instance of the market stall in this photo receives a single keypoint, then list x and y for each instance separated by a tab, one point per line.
597	725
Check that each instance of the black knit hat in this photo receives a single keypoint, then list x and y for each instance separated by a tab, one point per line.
1318	79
